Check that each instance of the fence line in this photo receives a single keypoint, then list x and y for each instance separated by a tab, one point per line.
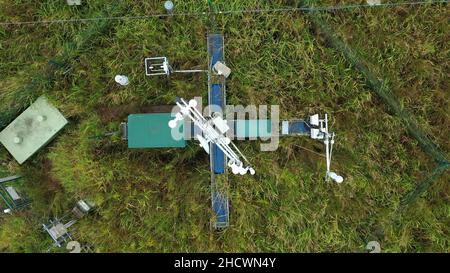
226	12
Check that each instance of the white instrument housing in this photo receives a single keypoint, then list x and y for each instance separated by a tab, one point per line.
321	133
213	132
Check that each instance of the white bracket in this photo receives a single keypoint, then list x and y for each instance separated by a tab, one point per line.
213	132
222	69
157	66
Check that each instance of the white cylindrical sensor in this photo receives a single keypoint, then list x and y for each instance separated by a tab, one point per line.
168	5
17	140
374	2
122	80
193	103
172	123
336	178
41	118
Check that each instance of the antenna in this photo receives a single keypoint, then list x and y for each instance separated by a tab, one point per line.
321	133
213	130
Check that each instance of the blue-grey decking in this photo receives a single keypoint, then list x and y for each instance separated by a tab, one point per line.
216	96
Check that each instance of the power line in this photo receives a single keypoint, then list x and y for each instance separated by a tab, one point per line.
309	150
225	12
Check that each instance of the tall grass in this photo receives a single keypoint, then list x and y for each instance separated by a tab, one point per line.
159	200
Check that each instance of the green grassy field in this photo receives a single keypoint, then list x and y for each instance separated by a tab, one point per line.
159	200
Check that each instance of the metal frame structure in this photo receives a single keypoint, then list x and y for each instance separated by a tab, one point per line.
157	66
218	147
58	228
217	96
213	133
210	130
14	200
320	132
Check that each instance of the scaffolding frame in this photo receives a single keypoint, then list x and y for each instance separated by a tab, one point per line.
14	199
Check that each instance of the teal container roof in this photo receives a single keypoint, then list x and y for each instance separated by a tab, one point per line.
253	128
153	131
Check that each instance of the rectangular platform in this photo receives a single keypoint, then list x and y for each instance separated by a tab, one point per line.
216	96
253	128
295	128
32	130
220	207
215	48
217	102
153	131
10	196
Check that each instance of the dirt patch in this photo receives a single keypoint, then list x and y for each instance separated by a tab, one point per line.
48	181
